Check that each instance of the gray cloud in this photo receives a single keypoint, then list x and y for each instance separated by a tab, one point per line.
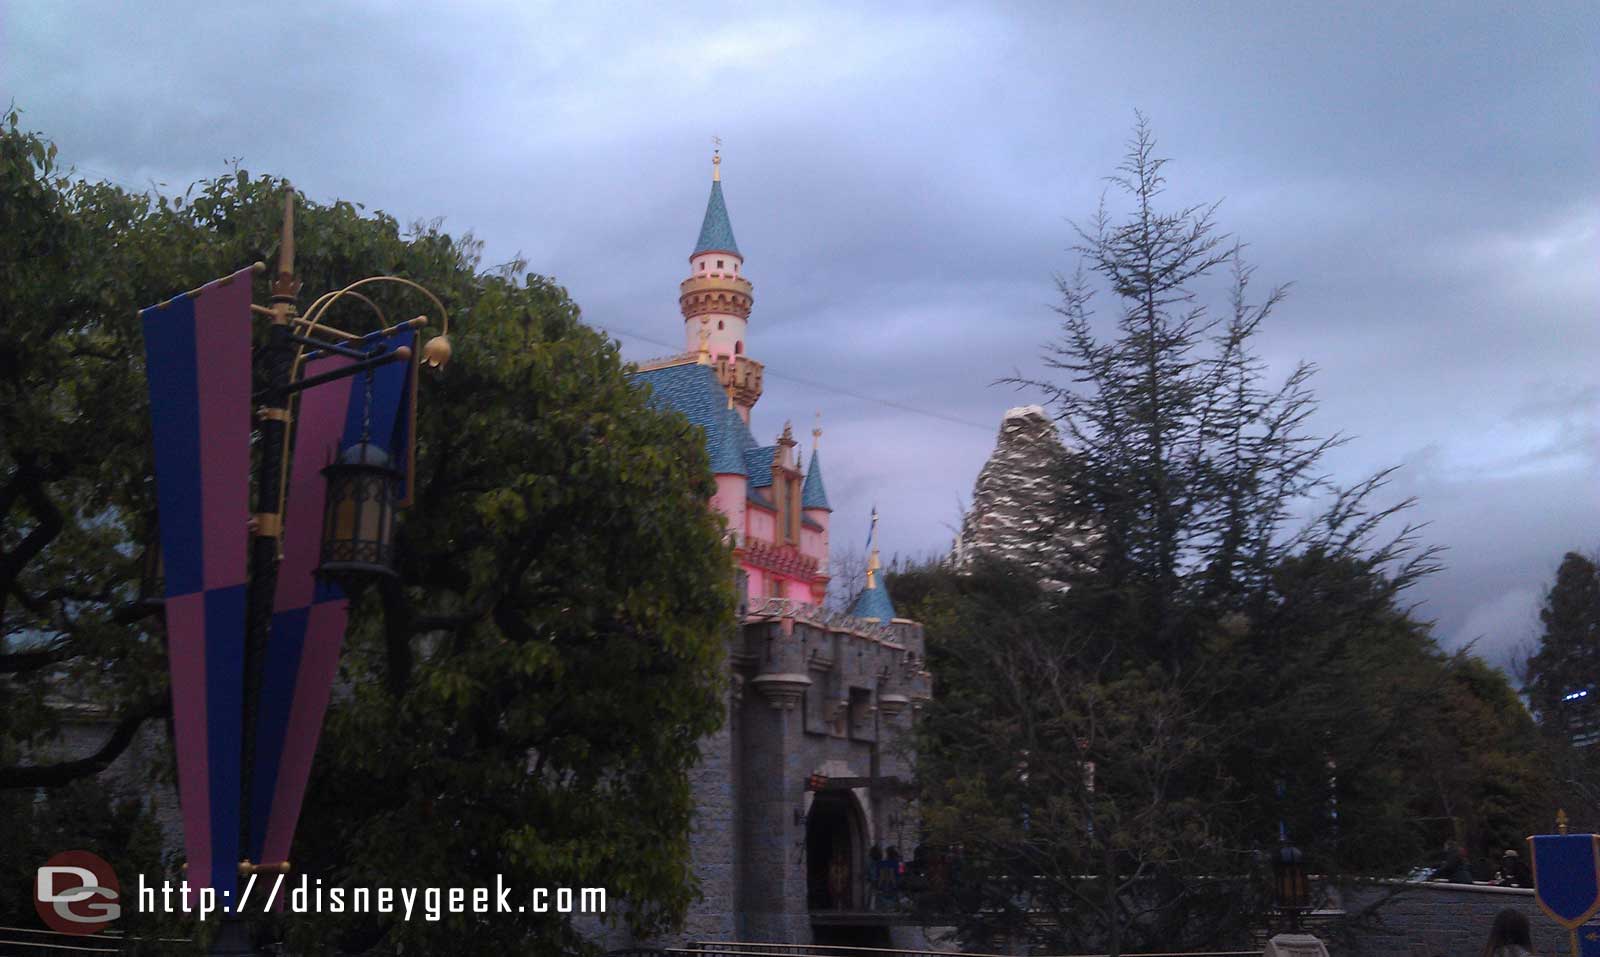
901	177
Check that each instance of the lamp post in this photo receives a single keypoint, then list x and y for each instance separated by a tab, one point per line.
365	487
1290	889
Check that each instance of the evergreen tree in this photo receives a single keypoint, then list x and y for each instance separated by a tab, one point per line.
1563	675
1117	761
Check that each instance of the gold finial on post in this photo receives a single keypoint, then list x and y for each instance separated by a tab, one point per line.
436	352
716	159
1561	821
873	563
285	288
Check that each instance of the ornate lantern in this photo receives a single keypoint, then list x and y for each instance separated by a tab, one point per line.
364	489
1290	889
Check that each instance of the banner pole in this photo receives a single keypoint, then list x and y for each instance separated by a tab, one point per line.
273	362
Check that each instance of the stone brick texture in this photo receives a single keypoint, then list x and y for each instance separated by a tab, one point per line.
1392	919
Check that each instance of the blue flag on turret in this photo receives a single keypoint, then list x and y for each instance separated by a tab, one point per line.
1566	877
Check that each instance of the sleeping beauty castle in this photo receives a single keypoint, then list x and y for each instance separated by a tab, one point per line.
804	778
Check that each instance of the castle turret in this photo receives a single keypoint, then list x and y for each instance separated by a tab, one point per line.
873	603
815	515
716	301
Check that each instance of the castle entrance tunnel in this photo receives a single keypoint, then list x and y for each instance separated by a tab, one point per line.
835	854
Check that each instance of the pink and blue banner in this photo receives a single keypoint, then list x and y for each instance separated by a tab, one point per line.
309	614
197	361
1566	876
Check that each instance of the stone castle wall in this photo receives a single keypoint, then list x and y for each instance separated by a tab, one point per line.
749	833
1393	919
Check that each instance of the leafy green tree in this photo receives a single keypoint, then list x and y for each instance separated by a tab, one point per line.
78	815
1385	746
72	493
524	701
1065	783
1483	752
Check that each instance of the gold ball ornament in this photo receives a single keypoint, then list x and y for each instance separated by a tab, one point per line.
436	352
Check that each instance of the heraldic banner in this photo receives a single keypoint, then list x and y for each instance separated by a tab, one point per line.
1566	876
197	361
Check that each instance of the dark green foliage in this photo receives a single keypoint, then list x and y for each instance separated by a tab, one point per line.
1568	659
78	816
525	701
1224	666
1565	665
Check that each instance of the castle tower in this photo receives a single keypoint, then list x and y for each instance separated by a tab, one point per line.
716	300
873	603
812	696
816	514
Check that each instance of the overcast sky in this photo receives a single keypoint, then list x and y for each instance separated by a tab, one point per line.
900	180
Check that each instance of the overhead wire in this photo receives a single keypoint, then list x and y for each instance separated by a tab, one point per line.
797	380
814	384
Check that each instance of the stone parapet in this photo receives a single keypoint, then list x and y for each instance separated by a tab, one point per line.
1424	919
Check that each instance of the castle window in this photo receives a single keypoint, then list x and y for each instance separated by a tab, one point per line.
738	348
719	323
719	264
702	265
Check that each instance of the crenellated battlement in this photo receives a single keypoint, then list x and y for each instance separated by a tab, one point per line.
837	654
741	376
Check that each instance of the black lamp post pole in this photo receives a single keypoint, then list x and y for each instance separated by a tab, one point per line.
272	365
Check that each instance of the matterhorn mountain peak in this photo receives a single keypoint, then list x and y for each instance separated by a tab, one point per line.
1016	510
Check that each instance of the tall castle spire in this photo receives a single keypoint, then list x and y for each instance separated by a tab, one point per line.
716	300
716	233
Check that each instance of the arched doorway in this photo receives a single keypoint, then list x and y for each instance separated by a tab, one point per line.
834	854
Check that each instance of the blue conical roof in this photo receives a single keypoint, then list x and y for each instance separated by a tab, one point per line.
874	603
812	494
716	233
727	457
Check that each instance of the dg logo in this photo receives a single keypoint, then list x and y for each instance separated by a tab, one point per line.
77	893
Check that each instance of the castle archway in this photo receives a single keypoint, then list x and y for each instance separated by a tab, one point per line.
835	854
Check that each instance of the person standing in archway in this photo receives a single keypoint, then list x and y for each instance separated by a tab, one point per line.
839	879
